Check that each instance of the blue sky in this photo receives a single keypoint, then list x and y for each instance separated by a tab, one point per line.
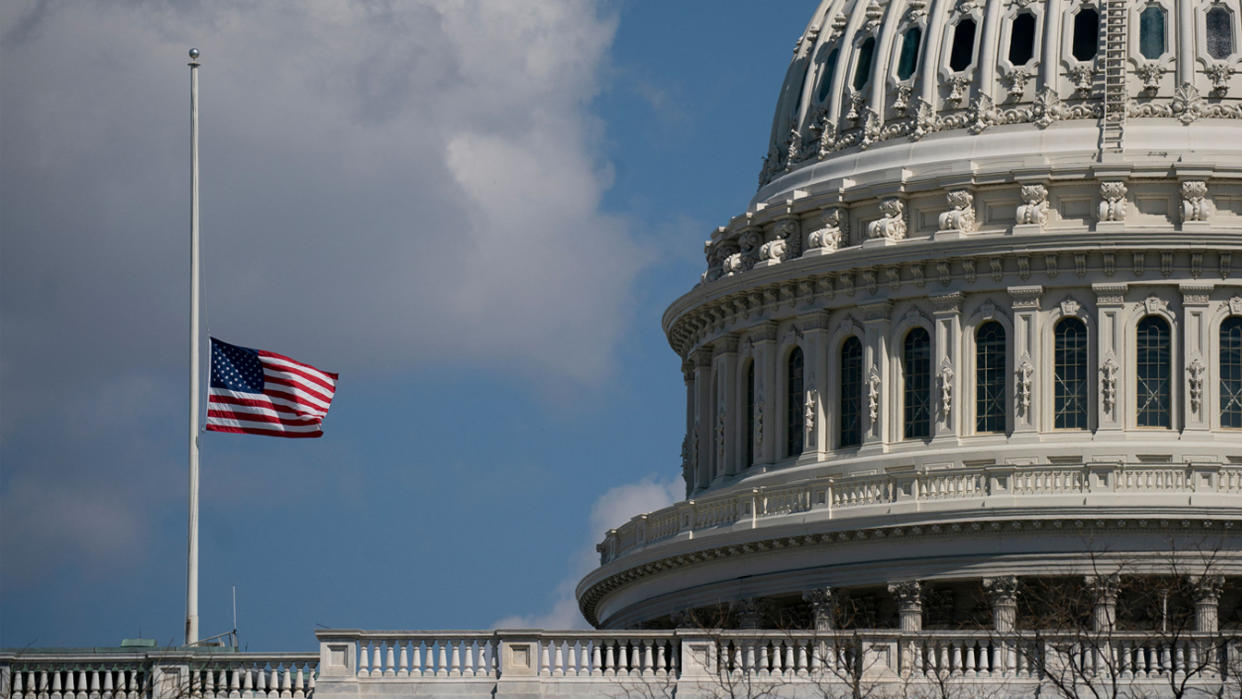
475	212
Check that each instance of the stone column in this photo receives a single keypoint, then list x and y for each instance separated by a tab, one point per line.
1003	593
1103	589
909	596
703	414
1111	401
820	600
1025	302
764	341
876	377
728	407
1197	406
1207	602
816	410
947	365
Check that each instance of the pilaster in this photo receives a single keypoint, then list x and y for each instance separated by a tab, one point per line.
1110	301
1196	340
818	411
1025	302
876	375
726	427
947	365
764	339
701	449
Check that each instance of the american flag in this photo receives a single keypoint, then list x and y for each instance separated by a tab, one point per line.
258	392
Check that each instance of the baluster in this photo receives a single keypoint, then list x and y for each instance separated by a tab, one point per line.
623	657
661	666
1192	656
749	666
299	682
403	660
86	686
942	659
247	688
791	667
58	688
610	661
970	668
1179	660
209	684
377	665
310	680
416	658
545	657
597	665
108	689
584	658
557	651
738	663
802	664
273	681
454	658
1141	661
363	658
648	667
390	660
286	682
1166	661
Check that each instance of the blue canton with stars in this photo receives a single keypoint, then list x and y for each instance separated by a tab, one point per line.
235	368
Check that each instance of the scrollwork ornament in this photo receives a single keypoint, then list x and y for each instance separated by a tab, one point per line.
873	395
982	114
1014	82
1195	205
1026	375
1219	73
1149	73
1187	103
833	226
1070	307
1108	384
961	213
1047	109
1112	201
946	389
1082	77
1034	209
958	86
1155	304
893	224
1194	379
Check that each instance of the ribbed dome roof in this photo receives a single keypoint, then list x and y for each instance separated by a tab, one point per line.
873	72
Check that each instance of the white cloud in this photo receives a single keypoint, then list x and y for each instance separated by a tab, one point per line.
612	509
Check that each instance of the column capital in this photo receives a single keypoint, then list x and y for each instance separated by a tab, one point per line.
1208	587
687	371
820	599
1003	589
1109	294
909	594
1025	297
702	357
726	344
946	303
763	332
1196	294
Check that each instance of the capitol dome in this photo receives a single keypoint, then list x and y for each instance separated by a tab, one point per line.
979	329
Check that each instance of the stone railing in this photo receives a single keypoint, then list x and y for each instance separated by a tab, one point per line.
977	488
170	674
696	662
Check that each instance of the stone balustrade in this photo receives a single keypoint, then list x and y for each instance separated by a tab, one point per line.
980	489
168	674
684	662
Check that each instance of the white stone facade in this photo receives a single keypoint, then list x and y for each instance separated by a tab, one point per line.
980	322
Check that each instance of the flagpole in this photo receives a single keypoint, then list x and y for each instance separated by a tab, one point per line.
191	591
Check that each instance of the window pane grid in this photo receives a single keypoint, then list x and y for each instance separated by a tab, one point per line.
793	409
1069	381
851	392
990	378
1231	372
1152	373
917	389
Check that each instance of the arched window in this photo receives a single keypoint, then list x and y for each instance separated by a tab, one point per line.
990	378
862	71
1022	39
1153	354
1219	32
1086	34
908	61
1231	372
916	364
793	405
749	437
851	392
1151	31
1069	375
963	52
825	78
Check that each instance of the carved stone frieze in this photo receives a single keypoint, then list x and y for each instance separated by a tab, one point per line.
1194	380
1025	381
873	395
1108	384
945	379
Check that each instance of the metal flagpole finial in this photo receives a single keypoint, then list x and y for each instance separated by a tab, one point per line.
194	57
